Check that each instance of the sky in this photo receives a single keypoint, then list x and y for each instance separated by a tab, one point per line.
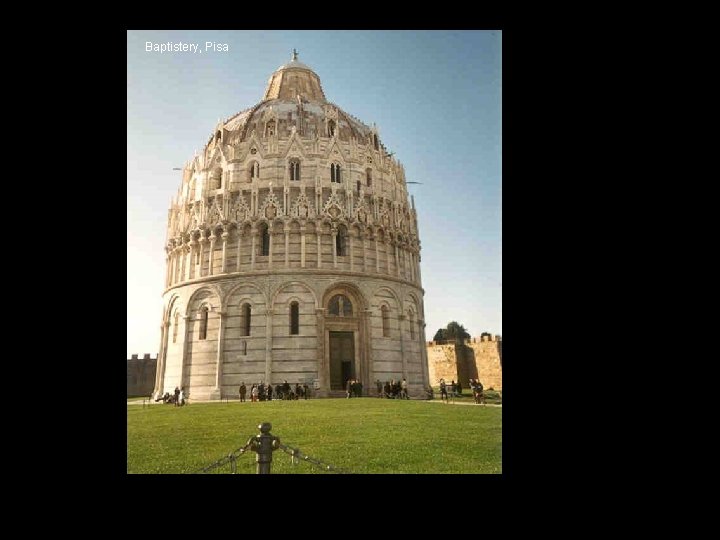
436	97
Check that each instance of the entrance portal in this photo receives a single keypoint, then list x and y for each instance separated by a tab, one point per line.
342	359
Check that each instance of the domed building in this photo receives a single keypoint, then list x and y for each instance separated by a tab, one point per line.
292	254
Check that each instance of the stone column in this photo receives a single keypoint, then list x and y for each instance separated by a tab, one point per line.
167	267
397	259
377	255
212	238
268	345
352	252
401	319
368	365
334	246
183	350
224	236
171	280
216	392
287	245
192	246
322	369
319	244
270	245
239	249
364	259
253	234
203	241
160	371
302	246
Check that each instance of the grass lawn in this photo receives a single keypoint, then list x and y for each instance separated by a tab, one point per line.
365	435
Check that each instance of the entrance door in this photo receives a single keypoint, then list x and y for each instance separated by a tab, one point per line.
342	359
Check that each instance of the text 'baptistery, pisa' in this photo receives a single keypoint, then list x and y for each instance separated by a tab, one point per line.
292	254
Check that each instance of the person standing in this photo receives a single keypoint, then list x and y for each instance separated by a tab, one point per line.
305	390
181	396
443	391
269	392
349	388
403	389
254	393
177	395
243	391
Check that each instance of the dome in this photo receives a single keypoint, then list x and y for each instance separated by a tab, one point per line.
294	97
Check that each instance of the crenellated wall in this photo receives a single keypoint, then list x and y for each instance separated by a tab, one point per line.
477	358
141	375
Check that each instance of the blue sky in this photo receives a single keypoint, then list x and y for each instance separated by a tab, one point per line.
436	97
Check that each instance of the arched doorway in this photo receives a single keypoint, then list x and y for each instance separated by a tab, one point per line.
344	339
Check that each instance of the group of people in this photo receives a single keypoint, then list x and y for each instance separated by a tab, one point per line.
177	397
263	392
353	388
456	389
392	389
477	389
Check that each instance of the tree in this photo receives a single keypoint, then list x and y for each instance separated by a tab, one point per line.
456	331
453	332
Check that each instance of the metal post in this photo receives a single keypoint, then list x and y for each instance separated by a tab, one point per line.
264	445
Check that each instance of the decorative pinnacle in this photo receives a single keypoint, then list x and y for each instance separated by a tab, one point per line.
294	56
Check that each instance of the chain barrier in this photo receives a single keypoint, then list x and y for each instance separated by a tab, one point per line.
264	445
231	458
296	456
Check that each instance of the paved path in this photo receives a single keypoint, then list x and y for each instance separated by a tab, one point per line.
140	402
462	403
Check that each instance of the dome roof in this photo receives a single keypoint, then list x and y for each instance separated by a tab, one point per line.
294	63
294	97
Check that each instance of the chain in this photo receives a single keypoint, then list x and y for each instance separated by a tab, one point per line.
230	458
296	455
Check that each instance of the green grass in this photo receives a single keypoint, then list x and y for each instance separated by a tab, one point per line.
366	435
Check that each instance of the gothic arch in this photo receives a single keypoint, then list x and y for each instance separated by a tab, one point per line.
283	286
392	293
212	299
232	291
349	289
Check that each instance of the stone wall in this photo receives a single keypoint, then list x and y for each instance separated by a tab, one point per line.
488	359
141	375
478	358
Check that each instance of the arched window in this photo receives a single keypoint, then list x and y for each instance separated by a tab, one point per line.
294	170
411	320
175	328
335	173
254	170
294	319
265	240
340	306
341	242
270	128
203	322
331	128
358	187
218	135
376	143
245	315
368	177
385	321
243	347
